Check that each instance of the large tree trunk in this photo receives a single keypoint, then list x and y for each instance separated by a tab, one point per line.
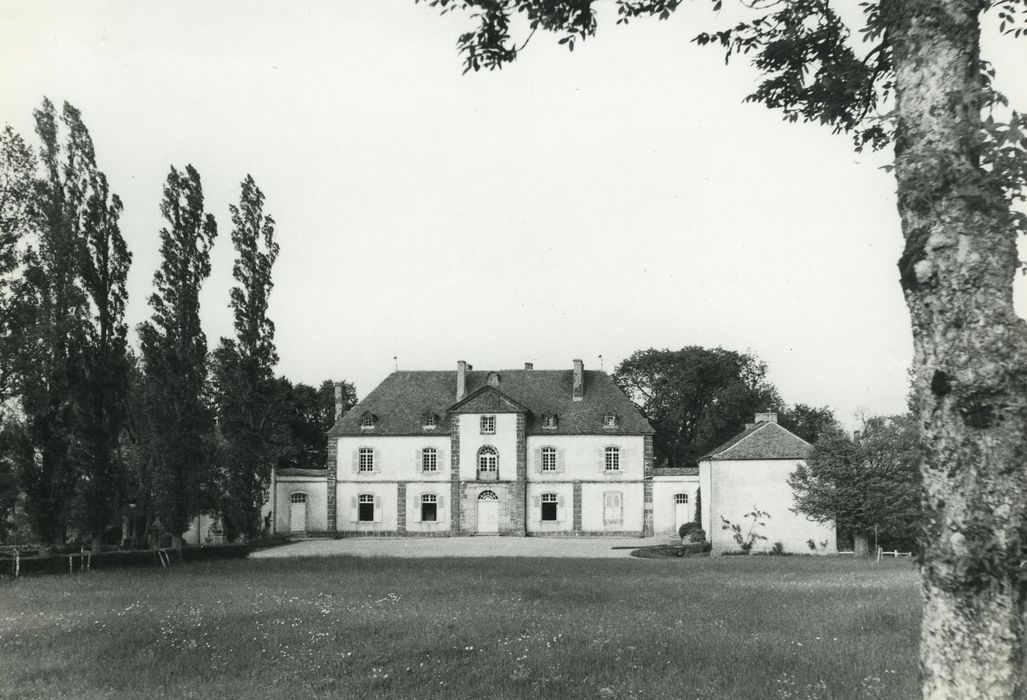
970	359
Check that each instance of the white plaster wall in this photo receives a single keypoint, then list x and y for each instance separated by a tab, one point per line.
397	457
664	490
564	509
592	506
413	506
583	456
317	502
504	440
738	485
347	494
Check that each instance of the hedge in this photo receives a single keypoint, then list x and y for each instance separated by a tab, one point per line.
78	561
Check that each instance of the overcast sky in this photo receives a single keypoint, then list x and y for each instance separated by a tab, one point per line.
573	205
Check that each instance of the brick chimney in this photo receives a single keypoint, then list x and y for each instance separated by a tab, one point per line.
461	379
578	393
528	365
766	418
338	400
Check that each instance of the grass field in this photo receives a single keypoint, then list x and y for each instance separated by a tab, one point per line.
732	627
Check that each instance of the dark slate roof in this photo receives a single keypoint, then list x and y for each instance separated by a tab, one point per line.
401	400
762	441
302	472
676	471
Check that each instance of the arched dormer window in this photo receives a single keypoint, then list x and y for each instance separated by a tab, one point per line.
429	421
367	420
549	421
611	420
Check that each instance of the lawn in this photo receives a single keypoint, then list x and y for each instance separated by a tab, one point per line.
731	627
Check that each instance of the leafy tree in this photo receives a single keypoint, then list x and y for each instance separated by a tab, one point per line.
910	74
251	410
872	483
174	352
808	422
695	398
311	413
51	306
17	176
102	386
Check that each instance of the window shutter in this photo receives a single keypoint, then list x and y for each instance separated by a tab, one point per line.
415	508
377	465
377	509
559	501
442	460
625	457
356	460
538	459
441	505
601	454
536	501
418	462
354	511
559	460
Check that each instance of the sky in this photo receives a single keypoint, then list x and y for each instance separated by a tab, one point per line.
573	205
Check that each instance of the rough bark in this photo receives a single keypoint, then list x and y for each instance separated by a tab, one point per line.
970	358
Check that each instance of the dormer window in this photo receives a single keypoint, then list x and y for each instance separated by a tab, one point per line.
367	420
549	421
488	425
429	421
610	420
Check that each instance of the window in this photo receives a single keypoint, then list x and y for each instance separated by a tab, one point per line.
365	508
297	498
549	459
488	425
366	463
549	421
612	459
681	498
429	460
610	420
367	420
429	421
488	460
549	505
613	508
429	507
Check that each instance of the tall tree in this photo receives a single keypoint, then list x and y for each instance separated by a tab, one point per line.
960	168
695	398
17	176
52	306
311	413
174	352
102	387
867	485
809	422
251	409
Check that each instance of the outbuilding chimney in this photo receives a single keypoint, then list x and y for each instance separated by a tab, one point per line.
528	365
338	400
461	379
578	392
766	418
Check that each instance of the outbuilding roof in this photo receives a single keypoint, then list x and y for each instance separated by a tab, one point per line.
401	401
766	440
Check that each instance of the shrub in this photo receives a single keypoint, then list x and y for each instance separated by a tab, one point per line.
693	532
748	539
777	549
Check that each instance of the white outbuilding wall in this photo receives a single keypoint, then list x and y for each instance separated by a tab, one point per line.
732	488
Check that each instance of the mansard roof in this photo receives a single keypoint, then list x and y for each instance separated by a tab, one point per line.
401	400
766	440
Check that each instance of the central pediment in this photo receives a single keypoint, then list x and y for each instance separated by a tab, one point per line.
487	399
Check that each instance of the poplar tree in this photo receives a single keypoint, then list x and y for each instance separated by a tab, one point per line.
102	385
906	73
52	308
174	353
251	407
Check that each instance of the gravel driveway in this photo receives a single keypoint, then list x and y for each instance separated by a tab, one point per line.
414	547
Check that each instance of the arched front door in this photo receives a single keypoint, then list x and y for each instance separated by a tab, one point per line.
488	513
